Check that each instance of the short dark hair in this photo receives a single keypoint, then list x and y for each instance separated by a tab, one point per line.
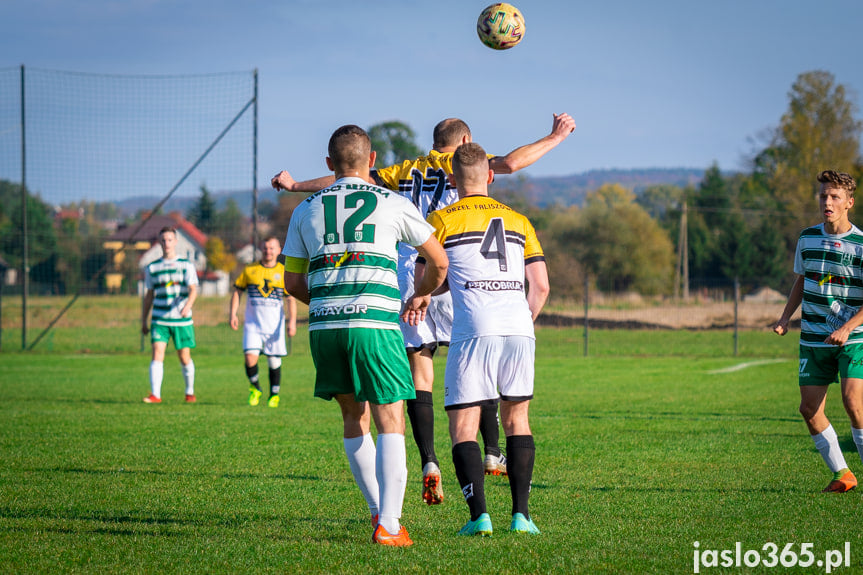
349	145
840	180
270	238
171	229
465	157
449	132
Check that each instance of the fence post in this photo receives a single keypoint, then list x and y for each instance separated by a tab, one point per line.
25	264
736	315
586	307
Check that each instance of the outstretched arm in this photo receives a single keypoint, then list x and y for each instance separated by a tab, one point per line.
284	181
524	156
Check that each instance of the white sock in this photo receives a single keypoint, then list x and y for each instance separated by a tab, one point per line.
391	467
361	454
857	435
189	377
827	445
157	371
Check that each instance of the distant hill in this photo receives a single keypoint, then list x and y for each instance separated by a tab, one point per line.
130	206
543	192
571	190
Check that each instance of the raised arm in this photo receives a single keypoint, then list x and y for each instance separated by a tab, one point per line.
562	126
284	181
536	274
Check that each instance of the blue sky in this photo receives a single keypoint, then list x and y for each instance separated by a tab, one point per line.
665	83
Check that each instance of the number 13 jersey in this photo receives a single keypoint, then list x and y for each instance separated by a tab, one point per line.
488	245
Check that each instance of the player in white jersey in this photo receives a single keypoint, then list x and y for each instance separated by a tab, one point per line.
829	283
492	250
425	181
264	320
341	260
171	289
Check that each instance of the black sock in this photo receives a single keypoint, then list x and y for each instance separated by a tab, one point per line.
520	455
275	380
489	428
421	415
252	374
467	459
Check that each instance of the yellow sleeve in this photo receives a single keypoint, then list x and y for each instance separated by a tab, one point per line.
388	177
296	265
532	248
437	223
243	281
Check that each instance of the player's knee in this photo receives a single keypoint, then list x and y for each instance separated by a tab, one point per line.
808	410
274	362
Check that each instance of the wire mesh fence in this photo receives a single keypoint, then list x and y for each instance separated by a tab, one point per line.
86	160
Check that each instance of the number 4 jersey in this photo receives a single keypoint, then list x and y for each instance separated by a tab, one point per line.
488	245
345	237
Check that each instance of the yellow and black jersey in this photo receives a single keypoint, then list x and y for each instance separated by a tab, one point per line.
266	292
488	245
423	181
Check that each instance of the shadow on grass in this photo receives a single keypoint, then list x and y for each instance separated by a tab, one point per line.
709	416
157	472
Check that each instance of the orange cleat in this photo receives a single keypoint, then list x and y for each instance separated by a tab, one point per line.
383	537
152	399
842	484
432	488
190	398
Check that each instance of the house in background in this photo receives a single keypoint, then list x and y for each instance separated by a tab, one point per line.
143	245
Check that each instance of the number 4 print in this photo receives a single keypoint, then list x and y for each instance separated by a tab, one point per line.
494	243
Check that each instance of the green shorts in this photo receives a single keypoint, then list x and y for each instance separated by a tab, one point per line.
184	335
370	363
820	365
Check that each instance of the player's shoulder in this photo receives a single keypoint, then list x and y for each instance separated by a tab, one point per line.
816	230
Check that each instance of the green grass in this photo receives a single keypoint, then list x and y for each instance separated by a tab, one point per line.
641	450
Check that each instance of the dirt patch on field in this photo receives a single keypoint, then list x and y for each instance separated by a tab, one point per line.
695	317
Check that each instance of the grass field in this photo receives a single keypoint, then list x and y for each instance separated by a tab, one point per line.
640	453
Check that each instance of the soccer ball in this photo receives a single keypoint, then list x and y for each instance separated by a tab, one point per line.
500	26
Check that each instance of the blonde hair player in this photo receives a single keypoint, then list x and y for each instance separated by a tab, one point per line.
829	284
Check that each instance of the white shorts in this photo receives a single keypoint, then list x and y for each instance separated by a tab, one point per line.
436	328
270	344
484	369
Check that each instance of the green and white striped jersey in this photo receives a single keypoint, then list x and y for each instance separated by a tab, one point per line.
170	281
832	267
346	237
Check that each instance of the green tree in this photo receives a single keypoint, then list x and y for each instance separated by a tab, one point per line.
621	245
394	142
42	240
203	212
230	224
819	131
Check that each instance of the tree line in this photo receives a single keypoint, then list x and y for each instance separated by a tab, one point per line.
738	226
